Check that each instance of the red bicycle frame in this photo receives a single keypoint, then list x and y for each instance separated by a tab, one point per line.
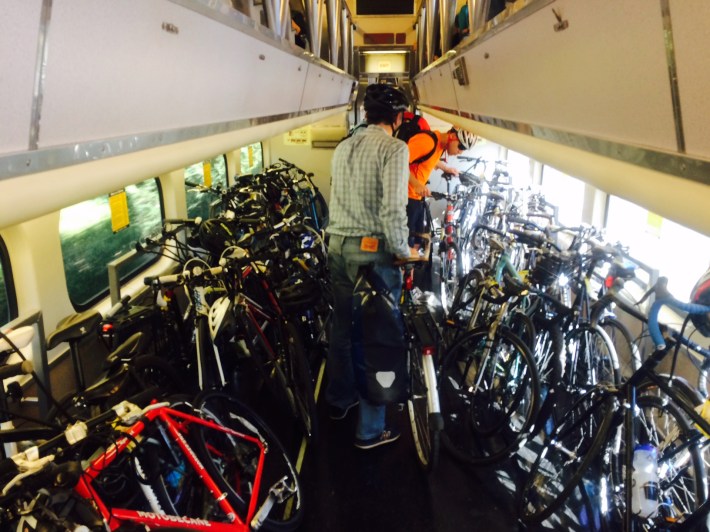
175	422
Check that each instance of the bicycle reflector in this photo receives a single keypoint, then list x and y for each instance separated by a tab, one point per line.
409	280
428	350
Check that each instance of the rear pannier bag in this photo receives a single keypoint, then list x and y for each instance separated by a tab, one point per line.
379	348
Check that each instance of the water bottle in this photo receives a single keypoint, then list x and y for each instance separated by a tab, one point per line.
644	482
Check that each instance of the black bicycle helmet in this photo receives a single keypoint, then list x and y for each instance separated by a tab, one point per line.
700	294
385	100
216	235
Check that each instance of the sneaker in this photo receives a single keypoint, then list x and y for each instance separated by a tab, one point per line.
388	436
338	413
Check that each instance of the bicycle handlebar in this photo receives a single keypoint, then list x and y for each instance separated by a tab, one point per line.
178	278
13	370
110	313
653	326
183	221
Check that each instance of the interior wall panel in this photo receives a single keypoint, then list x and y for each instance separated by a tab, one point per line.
19	30
323	87
114	70
689	21
604	76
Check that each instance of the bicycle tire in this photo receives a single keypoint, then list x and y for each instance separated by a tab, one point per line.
468	292
626	350
451	272
489	394
301	382
591	359
165	474
231	461
522	326
681	468
426	426
279	355
566	456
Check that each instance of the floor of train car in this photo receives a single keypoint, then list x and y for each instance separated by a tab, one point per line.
384	489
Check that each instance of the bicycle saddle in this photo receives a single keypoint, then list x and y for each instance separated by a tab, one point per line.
74	327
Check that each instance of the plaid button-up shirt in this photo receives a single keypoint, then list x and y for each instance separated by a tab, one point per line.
368	195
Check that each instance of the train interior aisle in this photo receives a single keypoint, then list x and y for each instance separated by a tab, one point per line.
385	489
165	179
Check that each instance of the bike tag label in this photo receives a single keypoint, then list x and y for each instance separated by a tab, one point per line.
369	244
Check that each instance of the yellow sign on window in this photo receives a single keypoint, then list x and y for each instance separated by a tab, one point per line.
654	222
118	203
207	171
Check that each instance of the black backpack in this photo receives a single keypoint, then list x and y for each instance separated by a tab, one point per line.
410	127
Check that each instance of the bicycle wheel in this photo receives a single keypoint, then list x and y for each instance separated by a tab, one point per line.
591	359
489	393
564	459
451	272
302	383
280	358
233	462
548	351
468	293
626	350
426	425
167	480
681	469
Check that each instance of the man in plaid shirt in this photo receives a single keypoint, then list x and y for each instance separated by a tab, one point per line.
368	225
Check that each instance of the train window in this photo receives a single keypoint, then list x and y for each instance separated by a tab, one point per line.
519	168
201	180
8	304
89	243
566	193
251	159
677	252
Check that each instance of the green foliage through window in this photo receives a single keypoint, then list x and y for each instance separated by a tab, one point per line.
201	195
251	159
89	244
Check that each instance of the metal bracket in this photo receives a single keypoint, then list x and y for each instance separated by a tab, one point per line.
561	24
460	72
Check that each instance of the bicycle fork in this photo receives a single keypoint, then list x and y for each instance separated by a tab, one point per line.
429	371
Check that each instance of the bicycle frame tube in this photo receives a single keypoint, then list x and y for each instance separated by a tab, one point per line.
115	517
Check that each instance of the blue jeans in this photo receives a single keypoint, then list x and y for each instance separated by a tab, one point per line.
344	259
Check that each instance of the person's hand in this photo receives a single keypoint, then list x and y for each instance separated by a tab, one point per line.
421	189
414	256
451	170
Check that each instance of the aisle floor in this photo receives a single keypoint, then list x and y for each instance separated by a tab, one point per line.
384	489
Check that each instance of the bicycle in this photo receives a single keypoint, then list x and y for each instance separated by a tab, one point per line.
607	423
423	344
211	466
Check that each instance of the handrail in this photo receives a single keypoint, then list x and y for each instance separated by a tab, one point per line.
39	351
